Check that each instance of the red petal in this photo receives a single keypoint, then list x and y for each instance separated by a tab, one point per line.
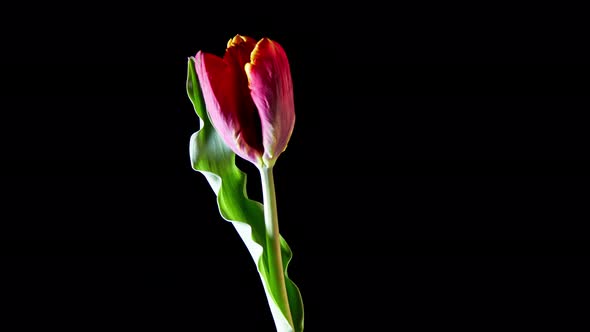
227	98
272	91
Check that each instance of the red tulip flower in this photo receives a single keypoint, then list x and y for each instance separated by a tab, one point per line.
249	97
245	105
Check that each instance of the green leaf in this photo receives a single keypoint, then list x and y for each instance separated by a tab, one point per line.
210	156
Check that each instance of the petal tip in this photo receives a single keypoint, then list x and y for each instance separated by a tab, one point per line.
239	39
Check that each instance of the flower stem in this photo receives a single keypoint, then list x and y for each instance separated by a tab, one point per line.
275	260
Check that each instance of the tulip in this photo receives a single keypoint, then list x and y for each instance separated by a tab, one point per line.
249	97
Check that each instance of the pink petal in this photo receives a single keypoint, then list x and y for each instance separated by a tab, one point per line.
229	105
271	89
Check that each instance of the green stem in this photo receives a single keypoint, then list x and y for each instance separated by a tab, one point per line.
275	260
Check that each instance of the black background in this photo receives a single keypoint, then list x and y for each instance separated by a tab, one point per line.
437	175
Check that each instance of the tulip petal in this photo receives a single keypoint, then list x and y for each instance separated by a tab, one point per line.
271	88
227	98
